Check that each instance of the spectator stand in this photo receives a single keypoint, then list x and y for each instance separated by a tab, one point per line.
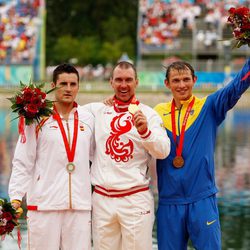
20	25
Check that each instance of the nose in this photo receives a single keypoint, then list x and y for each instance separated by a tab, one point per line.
181	84
68	87
124	83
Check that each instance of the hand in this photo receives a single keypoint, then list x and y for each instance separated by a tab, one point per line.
16	204
109	101
19	212
140	122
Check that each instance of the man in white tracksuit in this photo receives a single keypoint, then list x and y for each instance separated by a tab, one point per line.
123	205
54	177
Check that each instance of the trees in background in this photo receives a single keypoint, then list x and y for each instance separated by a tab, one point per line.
90	31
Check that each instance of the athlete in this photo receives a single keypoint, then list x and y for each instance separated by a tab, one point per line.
52	169
186	180
127	134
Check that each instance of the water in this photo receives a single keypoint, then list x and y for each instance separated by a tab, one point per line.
232	174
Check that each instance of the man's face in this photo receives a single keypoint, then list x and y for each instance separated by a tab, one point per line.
67	88
180	84
124	83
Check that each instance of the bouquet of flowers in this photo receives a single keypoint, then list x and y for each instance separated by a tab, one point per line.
239	19
8	219
31	105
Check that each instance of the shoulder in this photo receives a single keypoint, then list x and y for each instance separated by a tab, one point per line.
147	110
93	107
163	107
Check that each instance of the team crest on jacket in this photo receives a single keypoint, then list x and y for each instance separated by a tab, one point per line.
117	149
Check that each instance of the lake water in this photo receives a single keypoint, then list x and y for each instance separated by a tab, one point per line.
232	174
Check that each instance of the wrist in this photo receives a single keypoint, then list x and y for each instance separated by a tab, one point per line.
145	133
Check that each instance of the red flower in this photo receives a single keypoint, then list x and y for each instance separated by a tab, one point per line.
9	227
8	218
239	19
36	101
31	103
7	215
31	109
2	230
19	100
241	11
27	94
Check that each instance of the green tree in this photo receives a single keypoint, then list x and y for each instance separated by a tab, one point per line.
87	30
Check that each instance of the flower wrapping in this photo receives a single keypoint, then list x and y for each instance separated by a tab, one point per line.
239	19
31	105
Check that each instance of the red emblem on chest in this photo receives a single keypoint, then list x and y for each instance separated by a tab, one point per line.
117	149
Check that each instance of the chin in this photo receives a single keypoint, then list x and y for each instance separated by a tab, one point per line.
123	99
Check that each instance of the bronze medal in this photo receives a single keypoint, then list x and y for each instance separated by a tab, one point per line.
70	167
178	162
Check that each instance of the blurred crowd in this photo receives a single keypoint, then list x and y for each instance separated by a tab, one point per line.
19	21
88	72
162	23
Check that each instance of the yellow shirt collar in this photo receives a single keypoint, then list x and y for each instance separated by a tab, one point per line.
186	102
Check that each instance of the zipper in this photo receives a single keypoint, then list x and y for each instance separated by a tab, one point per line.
179	118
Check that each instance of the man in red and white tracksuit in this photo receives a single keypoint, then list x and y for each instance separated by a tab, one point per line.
123	205
56	178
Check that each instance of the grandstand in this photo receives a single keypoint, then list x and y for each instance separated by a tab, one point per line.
196	31
21	41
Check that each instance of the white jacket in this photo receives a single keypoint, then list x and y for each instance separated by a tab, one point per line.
122	156
39	166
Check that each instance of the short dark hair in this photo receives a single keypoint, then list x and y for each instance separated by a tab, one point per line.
64	68
124	65
179	66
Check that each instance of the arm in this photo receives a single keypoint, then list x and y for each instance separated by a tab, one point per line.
22	166
154	136
226	98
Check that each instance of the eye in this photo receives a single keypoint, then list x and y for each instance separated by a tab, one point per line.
62	83
176	80
129	80
118	80
187	79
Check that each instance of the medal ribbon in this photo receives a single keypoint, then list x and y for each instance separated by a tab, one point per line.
121	106
179	146
70	152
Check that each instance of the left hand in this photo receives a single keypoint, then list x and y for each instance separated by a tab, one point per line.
140	121
109	101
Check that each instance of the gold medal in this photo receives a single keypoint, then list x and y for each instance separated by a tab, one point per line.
132	108
70	167
178	162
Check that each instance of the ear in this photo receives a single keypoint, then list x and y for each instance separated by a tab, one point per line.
137	82
166	83
195	79
111	81
53	85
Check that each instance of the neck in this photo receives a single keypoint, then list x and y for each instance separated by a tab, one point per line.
177	103
64	109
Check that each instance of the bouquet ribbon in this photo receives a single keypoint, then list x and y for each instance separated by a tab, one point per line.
21	126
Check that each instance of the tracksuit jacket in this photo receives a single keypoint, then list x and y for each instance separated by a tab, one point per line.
196	180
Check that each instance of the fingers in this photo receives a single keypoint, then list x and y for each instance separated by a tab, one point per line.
19	212
16	204
140	121
109	101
